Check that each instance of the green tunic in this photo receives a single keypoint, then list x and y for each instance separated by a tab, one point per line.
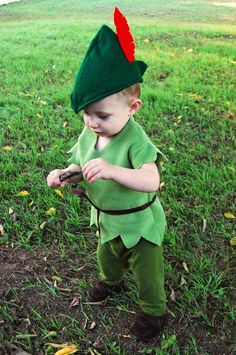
130	148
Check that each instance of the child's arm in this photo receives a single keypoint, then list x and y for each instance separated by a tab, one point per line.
144	179
57	177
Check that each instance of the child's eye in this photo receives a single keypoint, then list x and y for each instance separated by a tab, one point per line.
103	117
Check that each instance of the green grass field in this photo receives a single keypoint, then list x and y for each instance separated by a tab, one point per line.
48	259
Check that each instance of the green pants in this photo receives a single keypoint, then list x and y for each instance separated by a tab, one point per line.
145	260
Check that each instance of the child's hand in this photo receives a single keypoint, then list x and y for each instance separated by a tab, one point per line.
53	179
97	169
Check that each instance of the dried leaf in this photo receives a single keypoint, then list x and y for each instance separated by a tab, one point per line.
183	281
85	324
230	115
1	230
162	184
65	124
229	215
67	350
31	203
204	225
100	303
51	212
185	267
194	96
75	302
168	212
93	351
233	241
56	278
7	148
172	295
10	211
92	326
59	193
42	225
12	214
23	193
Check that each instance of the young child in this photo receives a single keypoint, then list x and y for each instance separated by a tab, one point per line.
119	168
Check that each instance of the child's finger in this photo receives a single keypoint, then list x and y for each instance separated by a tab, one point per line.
64	183
95	177
89	167
92	172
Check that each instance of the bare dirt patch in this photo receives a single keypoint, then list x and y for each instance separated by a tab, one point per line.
38	287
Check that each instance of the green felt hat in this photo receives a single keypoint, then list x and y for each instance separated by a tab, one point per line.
105	70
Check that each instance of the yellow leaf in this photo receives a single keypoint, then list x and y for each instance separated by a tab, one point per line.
56	278
65	124
7	148
59	193
23	193
185	267
233	241
162	184
229	215
68	350
51	211
42	225
231	168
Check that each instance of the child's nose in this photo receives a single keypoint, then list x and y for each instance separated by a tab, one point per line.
92	122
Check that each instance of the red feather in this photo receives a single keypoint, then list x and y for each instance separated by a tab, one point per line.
124	35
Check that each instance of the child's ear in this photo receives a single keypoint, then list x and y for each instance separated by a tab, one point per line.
135	105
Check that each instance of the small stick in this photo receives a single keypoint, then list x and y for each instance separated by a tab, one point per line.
68	174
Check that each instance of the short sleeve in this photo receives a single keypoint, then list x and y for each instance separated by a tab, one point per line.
74	151
145	152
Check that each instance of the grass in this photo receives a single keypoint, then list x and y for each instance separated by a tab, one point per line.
189	112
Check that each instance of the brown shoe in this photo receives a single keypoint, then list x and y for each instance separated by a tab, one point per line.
146	326
100	291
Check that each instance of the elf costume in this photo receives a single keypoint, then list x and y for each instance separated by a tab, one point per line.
131	223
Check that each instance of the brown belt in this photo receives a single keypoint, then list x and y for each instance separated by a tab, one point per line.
81	193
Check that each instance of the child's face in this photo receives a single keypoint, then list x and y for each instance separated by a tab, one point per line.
108	116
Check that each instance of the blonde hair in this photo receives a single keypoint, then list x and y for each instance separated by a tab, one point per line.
132	92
